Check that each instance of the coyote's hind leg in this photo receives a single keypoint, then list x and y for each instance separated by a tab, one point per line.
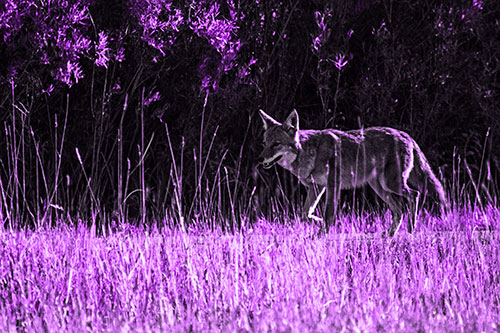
393	200
413	198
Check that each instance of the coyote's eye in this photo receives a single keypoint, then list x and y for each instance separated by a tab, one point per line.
275	145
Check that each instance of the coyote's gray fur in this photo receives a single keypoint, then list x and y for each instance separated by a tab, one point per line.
387	159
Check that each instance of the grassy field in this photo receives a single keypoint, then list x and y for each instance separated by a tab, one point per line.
270	277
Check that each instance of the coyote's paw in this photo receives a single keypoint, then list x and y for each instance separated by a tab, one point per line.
315	218
318	220
307	216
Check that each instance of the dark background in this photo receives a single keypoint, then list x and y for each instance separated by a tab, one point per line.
88	89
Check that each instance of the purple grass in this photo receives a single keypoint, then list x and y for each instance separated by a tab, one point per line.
272	277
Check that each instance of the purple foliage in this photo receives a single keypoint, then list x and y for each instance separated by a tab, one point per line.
220	33
159	22
58	35
323	31
55	32
102	50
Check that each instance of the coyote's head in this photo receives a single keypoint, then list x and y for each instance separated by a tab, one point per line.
280	140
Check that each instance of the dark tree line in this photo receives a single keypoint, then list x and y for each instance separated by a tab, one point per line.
112	108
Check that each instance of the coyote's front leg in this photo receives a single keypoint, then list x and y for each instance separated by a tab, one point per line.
311	203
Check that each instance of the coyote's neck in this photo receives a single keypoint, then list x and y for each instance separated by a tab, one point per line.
299	165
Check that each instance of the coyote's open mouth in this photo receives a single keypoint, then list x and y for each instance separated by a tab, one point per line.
269	164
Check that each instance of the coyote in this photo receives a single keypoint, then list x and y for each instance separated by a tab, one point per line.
387	159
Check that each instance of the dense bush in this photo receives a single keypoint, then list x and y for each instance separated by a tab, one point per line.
88	88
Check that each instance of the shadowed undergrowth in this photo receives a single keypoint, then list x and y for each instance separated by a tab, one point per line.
271	276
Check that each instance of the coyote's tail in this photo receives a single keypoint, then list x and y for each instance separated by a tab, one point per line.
433	188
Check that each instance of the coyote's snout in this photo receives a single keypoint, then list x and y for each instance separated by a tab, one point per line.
388	160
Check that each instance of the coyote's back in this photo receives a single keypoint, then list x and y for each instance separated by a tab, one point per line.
386	159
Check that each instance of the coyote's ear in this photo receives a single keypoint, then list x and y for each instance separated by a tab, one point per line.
268	120
292	122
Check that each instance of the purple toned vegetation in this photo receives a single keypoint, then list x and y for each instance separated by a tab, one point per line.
129	196
60	35
55	33
267	278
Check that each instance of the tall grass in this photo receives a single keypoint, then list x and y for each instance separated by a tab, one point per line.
207	264
270	277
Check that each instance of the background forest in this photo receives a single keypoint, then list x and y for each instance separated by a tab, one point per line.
111	109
